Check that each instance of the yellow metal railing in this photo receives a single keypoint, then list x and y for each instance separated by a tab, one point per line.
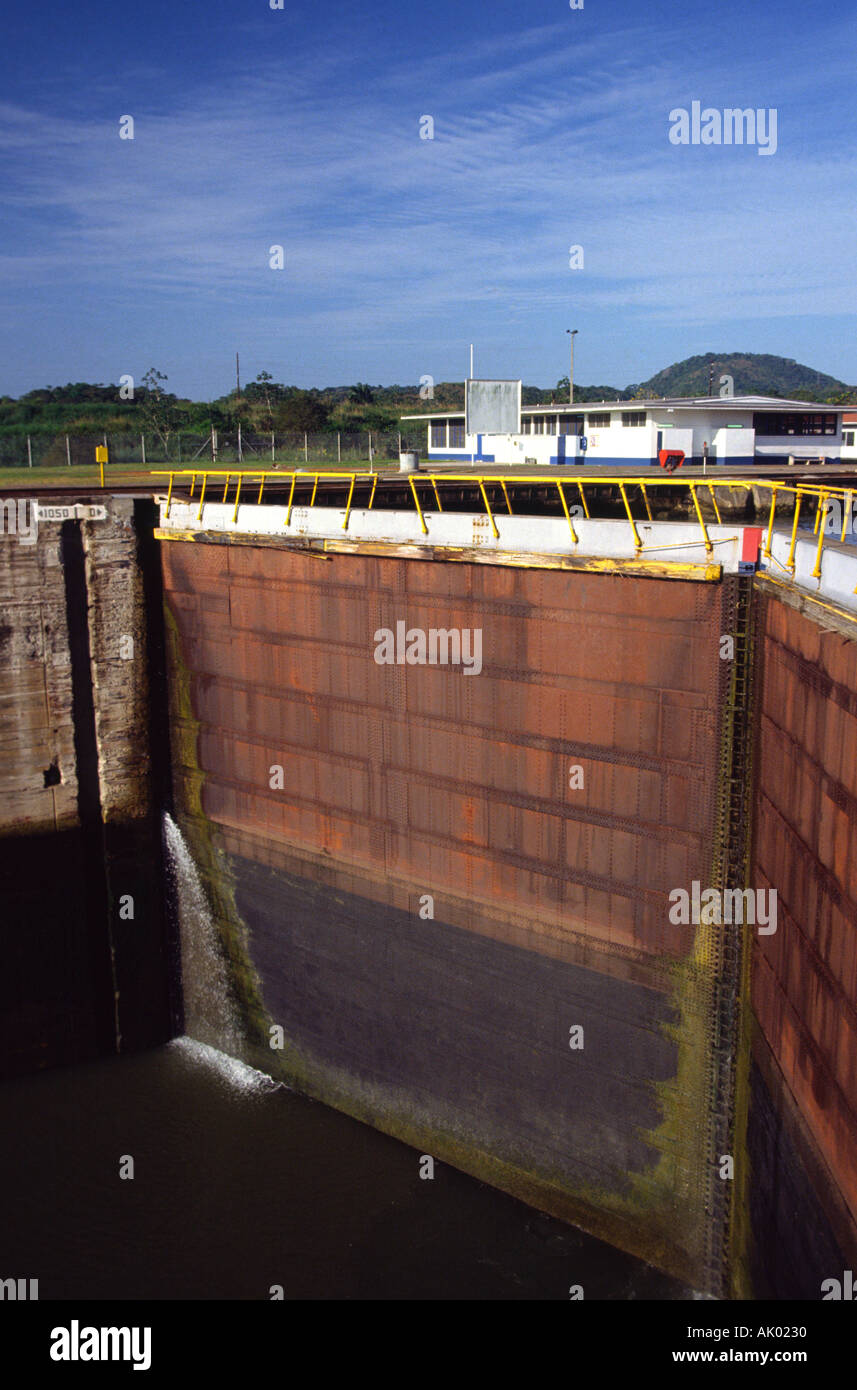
804	494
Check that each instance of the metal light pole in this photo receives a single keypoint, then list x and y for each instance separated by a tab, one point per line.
571	332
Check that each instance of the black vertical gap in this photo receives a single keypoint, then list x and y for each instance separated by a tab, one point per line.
88	789
149	559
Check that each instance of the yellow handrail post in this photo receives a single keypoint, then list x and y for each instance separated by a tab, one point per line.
237	496
583	499
488	509
822	504
261	485
170	494
192	484
226	486
314	491
418	507
506	495
436	495
790	563
638	544
714	504
291	499
372	493
348	504
567	512
708	546
202	496
646	500
767	551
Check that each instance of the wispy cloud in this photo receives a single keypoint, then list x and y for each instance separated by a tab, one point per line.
542	140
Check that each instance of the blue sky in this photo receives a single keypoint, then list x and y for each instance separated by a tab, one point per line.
301	127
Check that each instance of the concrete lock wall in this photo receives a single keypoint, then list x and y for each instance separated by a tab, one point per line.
84	935
454	899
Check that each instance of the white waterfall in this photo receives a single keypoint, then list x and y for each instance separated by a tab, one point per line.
210	1012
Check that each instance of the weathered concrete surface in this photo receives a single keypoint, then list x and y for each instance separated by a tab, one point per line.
36	728
84	954
49	1011
131	738
550	899
804	977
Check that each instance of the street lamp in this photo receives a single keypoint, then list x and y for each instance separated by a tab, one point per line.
571	332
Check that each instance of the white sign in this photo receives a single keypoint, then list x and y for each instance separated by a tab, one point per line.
75	511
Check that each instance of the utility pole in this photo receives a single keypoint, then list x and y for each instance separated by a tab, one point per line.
571	334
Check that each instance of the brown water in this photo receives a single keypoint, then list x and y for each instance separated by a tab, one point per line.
240	1184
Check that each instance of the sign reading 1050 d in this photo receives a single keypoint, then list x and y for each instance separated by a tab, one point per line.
74	511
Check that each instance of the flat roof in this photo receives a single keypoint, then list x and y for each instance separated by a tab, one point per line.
718	403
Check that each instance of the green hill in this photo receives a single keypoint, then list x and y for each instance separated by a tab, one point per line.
753	374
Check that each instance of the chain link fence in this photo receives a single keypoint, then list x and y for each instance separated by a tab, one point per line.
216	449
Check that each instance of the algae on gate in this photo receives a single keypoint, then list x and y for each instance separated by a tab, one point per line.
198	830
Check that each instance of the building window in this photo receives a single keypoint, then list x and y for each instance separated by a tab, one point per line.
848	439
598	422
526	425
570	424
437	430
634	418
538	424
779	424
456	434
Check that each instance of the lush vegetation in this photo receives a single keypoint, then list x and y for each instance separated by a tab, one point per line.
264	405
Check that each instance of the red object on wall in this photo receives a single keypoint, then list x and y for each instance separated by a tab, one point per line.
671	459
751	540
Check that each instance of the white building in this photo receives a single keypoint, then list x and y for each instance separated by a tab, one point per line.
737	430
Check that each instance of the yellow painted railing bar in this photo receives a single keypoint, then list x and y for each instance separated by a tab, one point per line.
348	504
237	497
817	515
708	545
291	499
170	494
202	496
418	507
567	512
846	514
488	510
226	486
372	493
790	563
261	485
506	495
638	544
816	571
314	491
767	551
714	504
437	495
582	498
646	500
192	483
686	545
